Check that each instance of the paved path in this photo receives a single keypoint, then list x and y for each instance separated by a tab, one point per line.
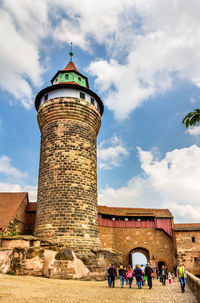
18	289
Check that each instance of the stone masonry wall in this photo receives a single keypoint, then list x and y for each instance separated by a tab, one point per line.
187	250
17	224
67	187
194	284
155	241
15	227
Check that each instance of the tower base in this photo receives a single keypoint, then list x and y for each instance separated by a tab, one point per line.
27	255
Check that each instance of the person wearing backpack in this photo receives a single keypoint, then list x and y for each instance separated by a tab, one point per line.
149	274
112	273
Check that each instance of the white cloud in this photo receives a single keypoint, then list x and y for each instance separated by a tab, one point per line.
159	42
164	48
111	153
103	22
14	179
172	182
23	25
11	187
193	131
7	169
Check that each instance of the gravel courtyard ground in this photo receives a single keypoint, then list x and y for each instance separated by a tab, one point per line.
17	289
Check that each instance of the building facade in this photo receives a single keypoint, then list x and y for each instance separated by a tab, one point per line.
151	232
69	235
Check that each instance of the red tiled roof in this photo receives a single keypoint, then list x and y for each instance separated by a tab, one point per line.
121	211
9	204
71	66
187	226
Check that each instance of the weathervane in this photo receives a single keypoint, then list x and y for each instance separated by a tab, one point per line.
71	53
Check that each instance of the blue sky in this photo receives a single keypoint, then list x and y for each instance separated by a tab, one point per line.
142	57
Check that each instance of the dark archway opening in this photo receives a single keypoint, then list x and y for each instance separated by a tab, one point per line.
142	253
160	263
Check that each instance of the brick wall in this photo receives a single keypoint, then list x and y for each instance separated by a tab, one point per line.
17	224
67	187
187	250
155	241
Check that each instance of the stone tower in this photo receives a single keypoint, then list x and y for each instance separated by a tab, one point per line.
69	117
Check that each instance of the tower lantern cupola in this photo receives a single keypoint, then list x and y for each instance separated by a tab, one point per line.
70	74
69	82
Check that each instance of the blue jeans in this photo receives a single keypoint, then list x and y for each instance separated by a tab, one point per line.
121	280
149	280
182	281
130	280
139	284
109	281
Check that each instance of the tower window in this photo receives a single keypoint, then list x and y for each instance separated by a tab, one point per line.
79	78
45	97
92	100
82	95
193	239
66	76
196	259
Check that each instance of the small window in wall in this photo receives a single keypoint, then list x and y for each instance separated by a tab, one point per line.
196	259
45	97
193	239
98	107
79	78
66	76
92	100
82	95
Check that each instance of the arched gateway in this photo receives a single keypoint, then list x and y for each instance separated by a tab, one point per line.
141	250
144	230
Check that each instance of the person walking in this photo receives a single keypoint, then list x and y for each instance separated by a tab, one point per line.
108	275
175	268
142	269
130	276
170	278
181	276
121	276
163	274
138	276
149	274
112	272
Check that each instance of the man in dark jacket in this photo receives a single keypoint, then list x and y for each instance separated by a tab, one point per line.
112	273
149	273
163	274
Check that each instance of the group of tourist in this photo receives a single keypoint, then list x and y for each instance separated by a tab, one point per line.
144	274
179	272
126	275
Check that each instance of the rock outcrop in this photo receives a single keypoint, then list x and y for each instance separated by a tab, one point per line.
27	255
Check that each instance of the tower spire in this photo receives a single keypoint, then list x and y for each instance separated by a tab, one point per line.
71	53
